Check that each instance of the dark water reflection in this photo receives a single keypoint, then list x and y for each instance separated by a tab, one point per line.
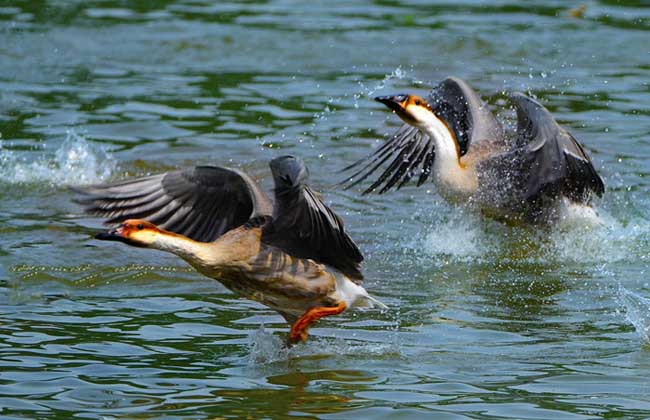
486	321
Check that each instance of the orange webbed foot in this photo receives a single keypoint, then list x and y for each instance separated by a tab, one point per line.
299	328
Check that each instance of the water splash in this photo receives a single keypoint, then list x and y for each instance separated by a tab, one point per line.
459	237
368	91
608	241
587	238
637	312
580	215
75	162
264	347
364	91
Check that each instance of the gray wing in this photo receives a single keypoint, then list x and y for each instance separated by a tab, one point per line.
411	153
303	226
201	203
547	159
468	116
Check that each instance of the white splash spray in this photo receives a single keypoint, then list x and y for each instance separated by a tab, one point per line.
458	237
264	347
75	162
591	237
368	91
636	311
364	91
606	241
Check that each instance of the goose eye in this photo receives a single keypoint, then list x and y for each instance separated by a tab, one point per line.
417	102
140	226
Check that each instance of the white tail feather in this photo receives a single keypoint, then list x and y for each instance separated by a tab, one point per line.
372	302
354	295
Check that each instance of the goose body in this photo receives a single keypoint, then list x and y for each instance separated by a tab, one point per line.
293	255
452	137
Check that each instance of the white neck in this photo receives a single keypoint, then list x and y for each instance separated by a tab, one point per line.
453	180
446	149
191	251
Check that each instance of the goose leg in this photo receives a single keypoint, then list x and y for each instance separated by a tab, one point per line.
300	327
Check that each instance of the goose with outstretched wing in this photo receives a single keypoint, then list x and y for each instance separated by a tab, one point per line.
454	139
293	255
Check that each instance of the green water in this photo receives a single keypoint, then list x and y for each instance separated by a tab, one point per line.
485	321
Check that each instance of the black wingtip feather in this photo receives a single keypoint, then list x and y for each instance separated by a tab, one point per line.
406	151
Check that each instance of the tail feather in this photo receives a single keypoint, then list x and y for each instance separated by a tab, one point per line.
355	295
372	302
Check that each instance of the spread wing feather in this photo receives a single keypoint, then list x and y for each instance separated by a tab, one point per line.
546	159
555	159
406	137
305	227
201	202
468	116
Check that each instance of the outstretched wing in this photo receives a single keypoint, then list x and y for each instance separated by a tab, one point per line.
411	153
304	226
465	112
548	159
201	202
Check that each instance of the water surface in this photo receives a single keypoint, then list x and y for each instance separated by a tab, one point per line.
486	321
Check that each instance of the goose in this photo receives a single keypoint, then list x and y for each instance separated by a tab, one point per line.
293	255
521	176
